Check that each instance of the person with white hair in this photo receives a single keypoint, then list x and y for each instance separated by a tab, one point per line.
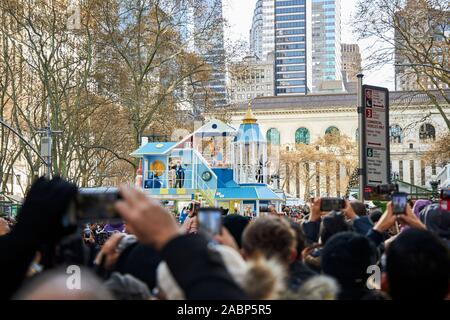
53	285
234	263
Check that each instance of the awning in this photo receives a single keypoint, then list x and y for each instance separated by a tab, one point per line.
246	193
153	148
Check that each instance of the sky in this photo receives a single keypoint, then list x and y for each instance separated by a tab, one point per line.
239	15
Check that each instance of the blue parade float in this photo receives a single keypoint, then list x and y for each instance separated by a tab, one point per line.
216	164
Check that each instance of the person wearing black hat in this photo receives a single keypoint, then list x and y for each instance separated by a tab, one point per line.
235	224
417	267
330	224
346	257
140	261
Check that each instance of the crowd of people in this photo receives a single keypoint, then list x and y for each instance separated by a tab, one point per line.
312	255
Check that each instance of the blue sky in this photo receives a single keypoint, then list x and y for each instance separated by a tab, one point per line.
239	15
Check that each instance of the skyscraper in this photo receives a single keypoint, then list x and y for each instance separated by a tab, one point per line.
211	48
256	32
306	38
201	25
421	46
351	61
292	46
262	33
326	42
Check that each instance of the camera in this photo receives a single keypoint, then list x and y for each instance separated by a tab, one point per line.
331	204
95	204
388	188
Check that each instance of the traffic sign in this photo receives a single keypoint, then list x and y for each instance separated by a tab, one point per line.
375	131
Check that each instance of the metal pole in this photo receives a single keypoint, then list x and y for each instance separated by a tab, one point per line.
24	140
49	161
361	133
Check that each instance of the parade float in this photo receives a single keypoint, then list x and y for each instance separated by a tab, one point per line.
216	165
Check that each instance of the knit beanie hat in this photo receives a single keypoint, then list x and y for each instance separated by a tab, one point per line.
346	257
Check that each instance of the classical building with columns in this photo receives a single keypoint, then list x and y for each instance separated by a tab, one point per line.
291	120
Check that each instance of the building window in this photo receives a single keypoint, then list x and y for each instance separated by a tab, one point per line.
332	131
427	132
411	171
396	134
302	136
273	137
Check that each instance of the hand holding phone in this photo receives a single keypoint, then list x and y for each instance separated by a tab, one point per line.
97	204
210	221
399	202
331	204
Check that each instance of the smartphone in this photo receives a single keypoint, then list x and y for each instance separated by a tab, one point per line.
331	204
399	202
97	204
87	233
444	200
445	194
210	221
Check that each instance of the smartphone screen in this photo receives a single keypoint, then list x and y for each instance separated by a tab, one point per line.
96	204
445	194
210	221
399	201
331	204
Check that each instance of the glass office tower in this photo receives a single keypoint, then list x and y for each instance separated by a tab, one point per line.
292	46
326	41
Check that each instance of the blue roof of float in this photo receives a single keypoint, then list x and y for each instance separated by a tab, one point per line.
153	148
246	193
249	132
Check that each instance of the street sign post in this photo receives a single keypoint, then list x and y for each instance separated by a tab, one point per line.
375	139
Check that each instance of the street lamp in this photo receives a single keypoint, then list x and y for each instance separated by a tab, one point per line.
434	183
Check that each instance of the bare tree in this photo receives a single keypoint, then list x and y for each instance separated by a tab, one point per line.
413	35
319	165
149	46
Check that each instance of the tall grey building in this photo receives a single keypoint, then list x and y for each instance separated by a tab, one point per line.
201	25
351	61
285	28
423	28
251	78
256	32
211	47
326	42
262	33
306	38
292	47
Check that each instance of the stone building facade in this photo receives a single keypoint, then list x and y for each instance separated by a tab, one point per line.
414	124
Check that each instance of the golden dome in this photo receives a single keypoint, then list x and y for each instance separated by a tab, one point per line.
249	117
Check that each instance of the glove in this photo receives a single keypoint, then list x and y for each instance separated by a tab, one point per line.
40	218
